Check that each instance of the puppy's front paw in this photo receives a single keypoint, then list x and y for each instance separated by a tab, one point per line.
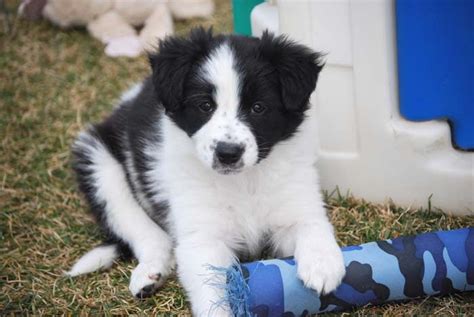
321	269
146	279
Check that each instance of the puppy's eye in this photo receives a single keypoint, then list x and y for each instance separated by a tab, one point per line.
258	108
206	107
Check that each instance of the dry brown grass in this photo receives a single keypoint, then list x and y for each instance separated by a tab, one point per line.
51	83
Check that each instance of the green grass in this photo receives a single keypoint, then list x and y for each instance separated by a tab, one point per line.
52	82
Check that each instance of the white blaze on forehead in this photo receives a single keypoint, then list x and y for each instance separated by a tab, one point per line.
219	70
224	125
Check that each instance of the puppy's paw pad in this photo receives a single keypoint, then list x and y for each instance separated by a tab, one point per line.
322	273
147	291
146	280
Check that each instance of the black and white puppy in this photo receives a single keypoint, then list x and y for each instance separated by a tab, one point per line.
209	160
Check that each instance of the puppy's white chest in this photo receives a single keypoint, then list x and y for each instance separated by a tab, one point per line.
247	215
247	230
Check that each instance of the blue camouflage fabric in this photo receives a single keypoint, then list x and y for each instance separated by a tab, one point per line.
376	272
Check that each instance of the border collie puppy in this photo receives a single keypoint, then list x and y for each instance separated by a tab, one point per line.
209	160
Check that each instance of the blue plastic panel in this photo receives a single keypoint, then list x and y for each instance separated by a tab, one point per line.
436	64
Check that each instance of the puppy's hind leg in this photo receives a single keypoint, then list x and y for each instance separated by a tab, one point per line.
103	180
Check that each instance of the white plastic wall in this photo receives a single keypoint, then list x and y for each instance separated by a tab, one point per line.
265	17
365	146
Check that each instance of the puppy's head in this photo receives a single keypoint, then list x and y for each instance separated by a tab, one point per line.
235	97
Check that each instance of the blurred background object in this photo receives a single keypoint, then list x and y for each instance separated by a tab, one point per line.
126	27
390	62
241	13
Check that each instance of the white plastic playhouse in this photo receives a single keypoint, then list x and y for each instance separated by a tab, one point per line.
366	146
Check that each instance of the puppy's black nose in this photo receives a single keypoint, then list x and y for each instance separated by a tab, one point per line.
229	153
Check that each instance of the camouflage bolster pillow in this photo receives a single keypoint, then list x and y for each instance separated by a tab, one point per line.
376	272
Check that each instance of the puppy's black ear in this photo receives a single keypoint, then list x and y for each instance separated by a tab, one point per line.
297	67
173	61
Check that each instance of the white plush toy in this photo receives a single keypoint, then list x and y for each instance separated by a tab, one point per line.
114	22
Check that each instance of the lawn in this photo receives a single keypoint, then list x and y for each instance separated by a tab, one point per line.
53	82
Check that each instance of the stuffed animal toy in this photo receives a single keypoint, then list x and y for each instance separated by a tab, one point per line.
115	22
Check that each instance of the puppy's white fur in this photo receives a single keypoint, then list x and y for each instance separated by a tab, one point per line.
99	258
224	125
215	215
212	216
151	245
